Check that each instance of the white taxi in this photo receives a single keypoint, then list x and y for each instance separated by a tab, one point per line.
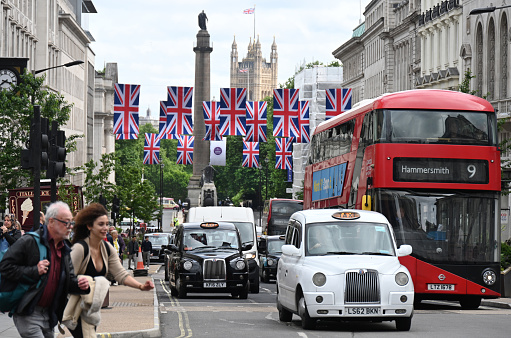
343	264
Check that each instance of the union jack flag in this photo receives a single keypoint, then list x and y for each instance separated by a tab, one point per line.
303	122
256	121
284	153
126	136
232	111
162	130
250	154
243	70
179	110
185	150
285	113
211	110
126	98
337	101
151	149
249	11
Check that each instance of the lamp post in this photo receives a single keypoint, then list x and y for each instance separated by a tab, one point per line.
69	64
486	10
260	167
160	221
267	160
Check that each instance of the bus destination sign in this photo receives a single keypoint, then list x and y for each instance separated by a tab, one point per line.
440	170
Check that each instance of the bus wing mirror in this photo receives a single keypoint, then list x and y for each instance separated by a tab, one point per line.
366	202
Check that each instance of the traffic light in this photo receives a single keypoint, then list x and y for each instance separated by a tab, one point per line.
44	139
102	200
57	163
115	207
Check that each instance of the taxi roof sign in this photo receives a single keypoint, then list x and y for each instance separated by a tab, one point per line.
209	225
346	215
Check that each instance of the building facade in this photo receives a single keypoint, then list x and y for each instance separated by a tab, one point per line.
50	34
253	71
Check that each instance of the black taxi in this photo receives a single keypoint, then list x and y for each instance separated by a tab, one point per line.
207	257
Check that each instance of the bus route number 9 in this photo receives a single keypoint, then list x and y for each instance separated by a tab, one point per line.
471	170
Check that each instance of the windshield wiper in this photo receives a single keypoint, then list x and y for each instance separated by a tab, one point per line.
375	253
204	247
338	253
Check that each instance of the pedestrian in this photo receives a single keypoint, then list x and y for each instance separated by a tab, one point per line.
147	248
41	222
118	244
93	256
41	308
109	234
132	252
9	234
18	226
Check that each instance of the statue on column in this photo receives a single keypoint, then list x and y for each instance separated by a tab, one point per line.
202	20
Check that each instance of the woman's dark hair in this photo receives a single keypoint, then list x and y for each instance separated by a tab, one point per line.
86	217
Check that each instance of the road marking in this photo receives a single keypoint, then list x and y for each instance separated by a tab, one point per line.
184	321
302	334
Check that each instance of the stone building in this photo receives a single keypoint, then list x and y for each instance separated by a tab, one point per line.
254	72
49	33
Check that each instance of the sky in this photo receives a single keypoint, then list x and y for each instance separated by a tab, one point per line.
152	41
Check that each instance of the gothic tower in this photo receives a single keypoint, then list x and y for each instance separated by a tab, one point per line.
253	72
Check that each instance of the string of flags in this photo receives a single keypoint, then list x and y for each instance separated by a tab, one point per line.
232	116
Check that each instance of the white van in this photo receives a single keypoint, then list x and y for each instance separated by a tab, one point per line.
243	218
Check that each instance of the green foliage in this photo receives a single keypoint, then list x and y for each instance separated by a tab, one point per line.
464	87
97	179
505	256
17	110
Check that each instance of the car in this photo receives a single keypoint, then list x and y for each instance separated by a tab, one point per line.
159	241
343	265
270	248
207	257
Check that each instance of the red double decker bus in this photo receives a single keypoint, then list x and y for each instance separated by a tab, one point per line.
429	161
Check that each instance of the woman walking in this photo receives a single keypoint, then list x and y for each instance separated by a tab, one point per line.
93	256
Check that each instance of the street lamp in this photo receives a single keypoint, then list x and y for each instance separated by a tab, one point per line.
69	64
260	167
267	160
486	10
160	225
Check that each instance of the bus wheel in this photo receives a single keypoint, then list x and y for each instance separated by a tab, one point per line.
470	303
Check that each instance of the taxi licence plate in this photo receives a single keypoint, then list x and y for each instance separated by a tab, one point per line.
363	311
215	284
441	287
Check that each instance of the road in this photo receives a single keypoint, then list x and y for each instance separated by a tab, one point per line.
219	315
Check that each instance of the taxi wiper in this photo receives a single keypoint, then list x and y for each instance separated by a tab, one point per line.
339	253
376	253
204	247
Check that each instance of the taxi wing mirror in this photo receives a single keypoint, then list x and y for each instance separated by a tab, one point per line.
404	250
246	247
290	250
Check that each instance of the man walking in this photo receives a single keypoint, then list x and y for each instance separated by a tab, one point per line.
147	248
132	252
41	308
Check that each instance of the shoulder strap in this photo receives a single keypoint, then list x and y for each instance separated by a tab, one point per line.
107	247
85	247
43	251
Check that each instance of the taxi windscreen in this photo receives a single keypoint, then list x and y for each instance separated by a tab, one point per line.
210	238
348	238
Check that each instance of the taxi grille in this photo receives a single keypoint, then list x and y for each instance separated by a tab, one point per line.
362	286
214	269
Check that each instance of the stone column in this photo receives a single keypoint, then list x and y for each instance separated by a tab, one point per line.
201	92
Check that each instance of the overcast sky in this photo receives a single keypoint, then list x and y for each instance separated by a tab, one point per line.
152	41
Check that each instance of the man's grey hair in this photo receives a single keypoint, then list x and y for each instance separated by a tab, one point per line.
54	209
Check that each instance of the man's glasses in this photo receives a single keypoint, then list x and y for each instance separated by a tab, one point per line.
68	224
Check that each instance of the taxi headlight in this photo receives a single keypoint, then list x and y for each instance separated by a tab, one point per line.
489	277
250	255
402	278
319	279
187	265
240	265
270	262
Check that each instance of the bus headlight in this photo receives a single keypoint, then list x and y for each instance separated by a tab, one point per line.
319	279
489	277
402	278
187	265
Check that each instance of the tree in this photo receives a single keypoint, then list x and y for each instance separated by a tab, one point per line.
17	110
97	179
